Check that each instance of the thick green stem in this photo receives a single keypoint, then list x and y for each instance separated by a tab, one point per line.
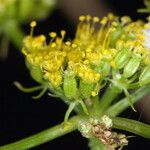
44	136
119	107
96	144
133	126
110	94
13	32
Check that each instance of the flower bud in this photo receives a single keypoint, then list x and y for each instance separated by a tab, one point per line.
145	76
35	72
122	58
70	85
116	35
131	67
103	68
86	88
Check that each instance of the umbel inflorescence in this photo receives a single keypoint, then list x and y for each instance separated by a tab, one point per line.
111	53
116	52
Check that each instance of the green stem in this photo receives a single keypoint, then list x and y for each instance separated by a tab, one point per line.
68	112
96	144
40	94
119	107
84	107
14	33
133	126
61	96
110	94
44	136
129	99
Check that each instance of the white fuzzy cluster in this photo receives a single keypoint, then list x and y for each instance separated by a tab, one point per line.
147	36
107	121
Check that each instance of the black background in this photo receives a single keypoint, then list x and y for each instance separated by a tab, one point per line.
21	116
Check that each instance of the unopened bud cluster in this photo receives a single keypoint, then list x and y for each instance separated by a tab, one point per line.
101	129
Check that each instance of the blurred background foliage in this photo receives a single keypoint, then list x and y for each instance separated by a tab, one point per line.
14	13
20	115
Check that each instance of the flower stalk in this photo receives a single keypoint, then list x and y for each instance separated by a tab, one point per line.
132	126
123	104
108	97
44	136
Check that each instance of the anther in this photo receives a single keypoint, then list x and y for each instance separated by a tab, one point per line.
82	18
74	45
52	34
125	19
68	43
95	19
63	32
88	17
114	23
104	20
110	16
53	45
32	25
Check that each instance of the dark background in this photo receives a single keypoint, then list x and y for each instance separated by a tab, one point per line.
21	116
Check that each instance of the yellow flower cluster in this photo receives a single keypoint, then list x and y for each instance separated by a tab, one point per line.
96	41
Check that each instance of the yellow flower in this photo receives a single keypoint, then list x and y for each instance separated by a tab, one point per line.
55	78
89	49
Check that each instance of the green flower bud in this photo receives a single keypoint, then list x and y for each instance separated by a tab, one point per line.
145	76
70	85
103	68
116	35
36	73
86	88
122	58
130	36
131	67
